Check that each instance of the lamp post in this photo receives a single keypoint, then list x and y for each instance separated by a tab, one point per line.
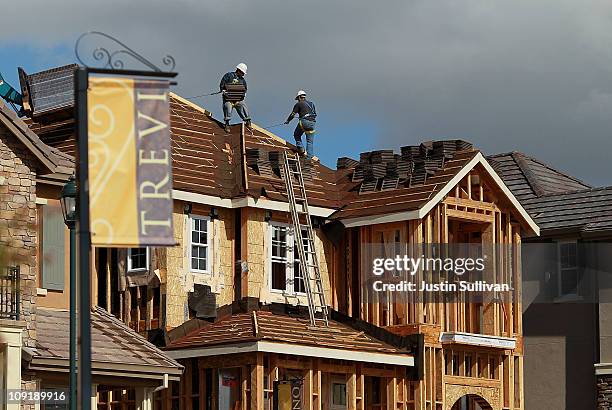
68	201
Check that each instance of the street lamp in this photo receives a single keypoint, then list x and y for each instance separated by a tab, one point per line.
68	201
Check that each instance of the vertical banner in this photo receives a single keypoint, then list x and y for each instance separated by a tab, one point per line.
288	394
130	167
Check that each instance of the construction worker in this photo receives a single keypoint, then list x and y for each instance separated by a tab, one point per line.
307	118
233	87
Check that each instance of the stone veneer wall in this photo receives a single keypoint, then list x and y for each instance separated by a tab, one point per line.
18	222
604	392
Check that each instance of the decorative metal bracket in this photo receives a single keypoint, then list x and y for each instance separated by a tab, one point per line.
112	56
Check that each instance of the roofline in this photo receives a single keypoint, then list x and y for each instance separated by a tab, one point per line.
398	359
245	202
425	209
57	364
20	135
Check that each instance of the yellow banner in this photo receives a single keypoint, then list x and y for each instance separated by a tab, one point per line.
130	172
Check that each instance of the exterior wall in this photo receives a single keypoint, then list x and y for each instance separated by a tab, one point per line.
178	280
18	222
258	237
58	299
251	376
559	355
565	337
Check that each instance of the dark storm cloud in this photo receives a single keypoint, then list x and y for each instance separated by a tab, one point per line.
527	75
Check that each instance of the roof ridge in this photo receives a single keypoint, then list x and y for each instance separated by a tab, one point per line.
551	168
519	160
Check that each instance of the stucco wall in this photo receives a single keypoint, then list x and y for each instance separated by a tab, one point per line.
179	280
258	257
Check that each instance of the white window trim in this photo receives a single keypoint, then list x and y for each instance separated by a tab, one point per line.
129	261
290	278
208	242
560	295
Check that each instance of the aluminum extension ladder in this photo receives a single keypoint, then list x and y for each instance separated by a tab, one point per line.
304	238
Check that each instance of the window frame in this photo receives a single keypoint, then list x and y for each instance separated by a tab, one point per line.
191	218
290	276
560	270
339	381
147	260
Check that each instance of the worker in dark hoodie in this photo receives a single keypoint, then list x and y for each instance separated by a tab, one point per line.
307	118
233	87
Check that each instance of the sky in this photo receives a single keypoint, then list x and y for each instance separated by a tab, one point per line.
524	75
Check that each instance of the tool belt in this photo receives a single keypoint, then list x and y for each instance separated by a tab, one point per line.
234	92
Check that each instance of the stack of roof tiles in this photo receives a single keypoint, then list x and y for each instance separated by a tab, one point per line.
270	163
259	160
383	170
48	91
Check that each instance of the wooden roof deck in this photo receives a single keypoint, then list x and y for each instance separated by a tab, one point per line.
402	198
271	327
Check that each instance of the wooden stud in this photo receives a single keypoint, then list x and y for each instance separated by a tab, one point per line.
307	388
392	393
257	379
351	391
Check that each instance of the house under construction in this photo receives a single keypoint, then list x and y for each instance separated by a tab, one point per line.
230	304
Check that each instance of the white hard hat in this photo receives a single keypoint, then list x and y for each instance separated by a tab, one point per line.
300	93
242	67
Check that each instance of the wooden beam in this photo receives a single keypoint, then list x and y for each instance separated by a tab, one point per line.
351	391
244	386
257	379
307	389
392	393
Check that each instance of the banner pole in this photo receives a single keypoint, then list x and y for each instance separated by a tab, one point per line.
84	357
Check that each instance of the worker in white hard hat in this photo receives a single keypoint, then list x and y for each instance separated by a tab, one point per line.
307	119
233	86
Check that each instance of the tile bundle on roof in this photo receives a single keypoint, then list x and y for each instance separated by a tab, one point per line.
405	197
383	170
346	162
259	160
48	91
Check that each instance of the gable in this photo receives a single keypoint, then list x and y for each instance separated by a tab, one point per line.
419	208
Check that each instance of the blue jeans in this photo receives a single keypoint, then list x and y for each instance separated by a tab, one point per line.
240	107
308	127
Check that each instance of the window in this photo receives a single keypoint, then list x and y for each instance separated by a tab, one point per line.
568	268
199	246
279	257
138	259
338	393
284	260
52	247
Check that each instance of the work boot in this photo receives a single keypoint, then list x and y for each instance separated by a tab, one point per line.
248	125
227	127
301	151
